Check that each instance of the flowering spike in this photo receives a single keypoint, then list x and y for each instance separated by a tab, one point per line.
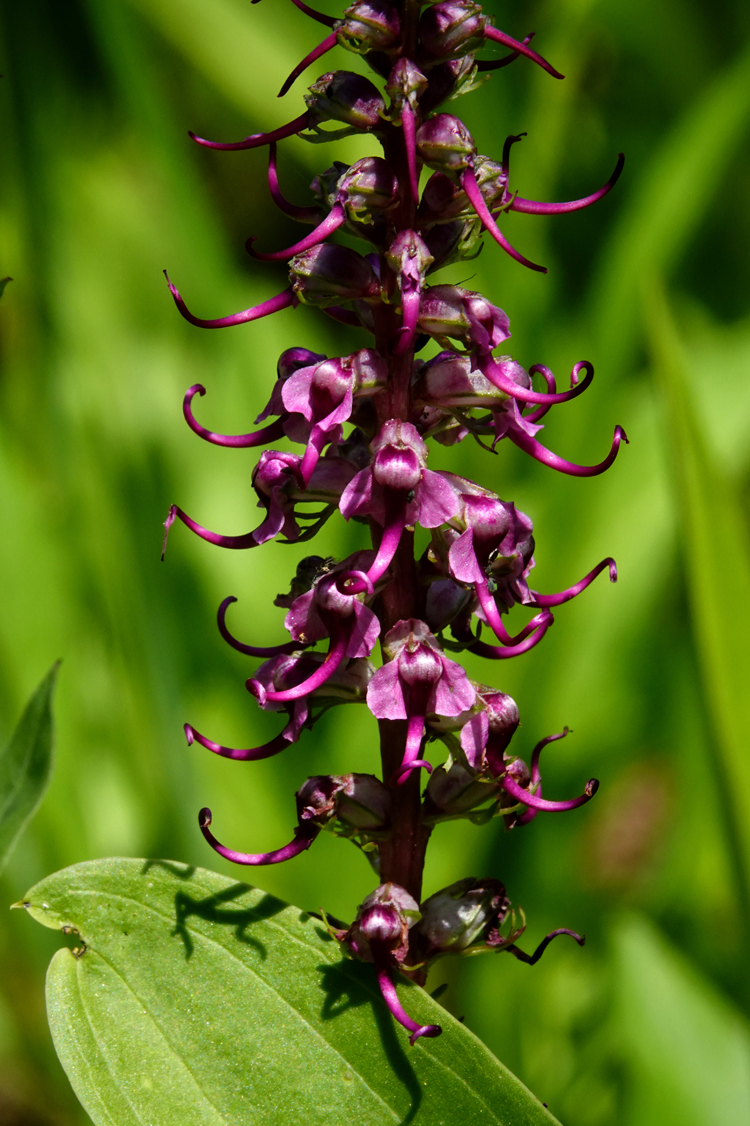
470	186
531	207
257	140
575	590
251	754
498	64
546	457
532	959
302	214
236	441
283	300
304	836
522	49
331	223
240	646
388	990
328	43
362	422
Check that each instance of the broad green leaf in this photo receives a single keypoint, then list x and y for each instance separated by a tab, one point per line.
26	765
194	999
717	567
688	1049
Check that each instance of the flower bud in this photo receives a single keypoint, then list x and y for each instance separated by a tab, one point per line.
454	242
344	96
400	455
369	25
450	80
408	256
368	187
445	601
443	200
455	27
444	142
292	359
456	790
328	274
384	920
450	311
359	801
463	914
405	83
448	381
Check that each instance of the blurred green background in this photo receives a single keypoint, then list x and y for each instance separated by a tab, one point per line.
100	190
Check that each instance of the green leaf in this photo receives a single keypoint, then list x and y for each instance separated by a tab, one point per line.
26	765
3	283
717	566
193	999
688	1049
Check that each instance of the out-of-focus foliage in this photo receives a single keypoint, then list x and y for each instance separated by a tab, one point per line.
100	191
26	765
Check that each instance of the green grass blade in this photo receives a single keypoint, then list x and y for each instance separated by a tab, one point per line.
717	569
687	1049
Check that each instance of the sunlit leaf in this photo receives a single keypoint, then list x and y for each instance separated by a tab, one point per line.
192	998
689	1051
26	765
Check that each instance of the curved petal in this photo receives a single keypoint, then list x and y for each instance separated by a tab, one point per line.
520	794
437	500
388	990
470	186
364	632
304	836
521	48
236	441
256	140
474	736
554	461
498	64
328	43
531	959
331	223
252	754
575	590
531	207
385	693
301	214
489	367
283	300
250	650
454	692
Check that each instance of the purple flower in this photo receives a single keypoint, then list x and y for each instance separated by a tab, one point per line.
418	680
380	934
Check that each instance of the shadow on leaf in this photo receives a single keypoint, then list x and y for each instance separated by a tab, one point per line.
212	909
348	985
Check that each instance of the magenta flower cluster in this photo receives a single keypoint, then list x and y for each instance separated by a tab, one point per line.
363	422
